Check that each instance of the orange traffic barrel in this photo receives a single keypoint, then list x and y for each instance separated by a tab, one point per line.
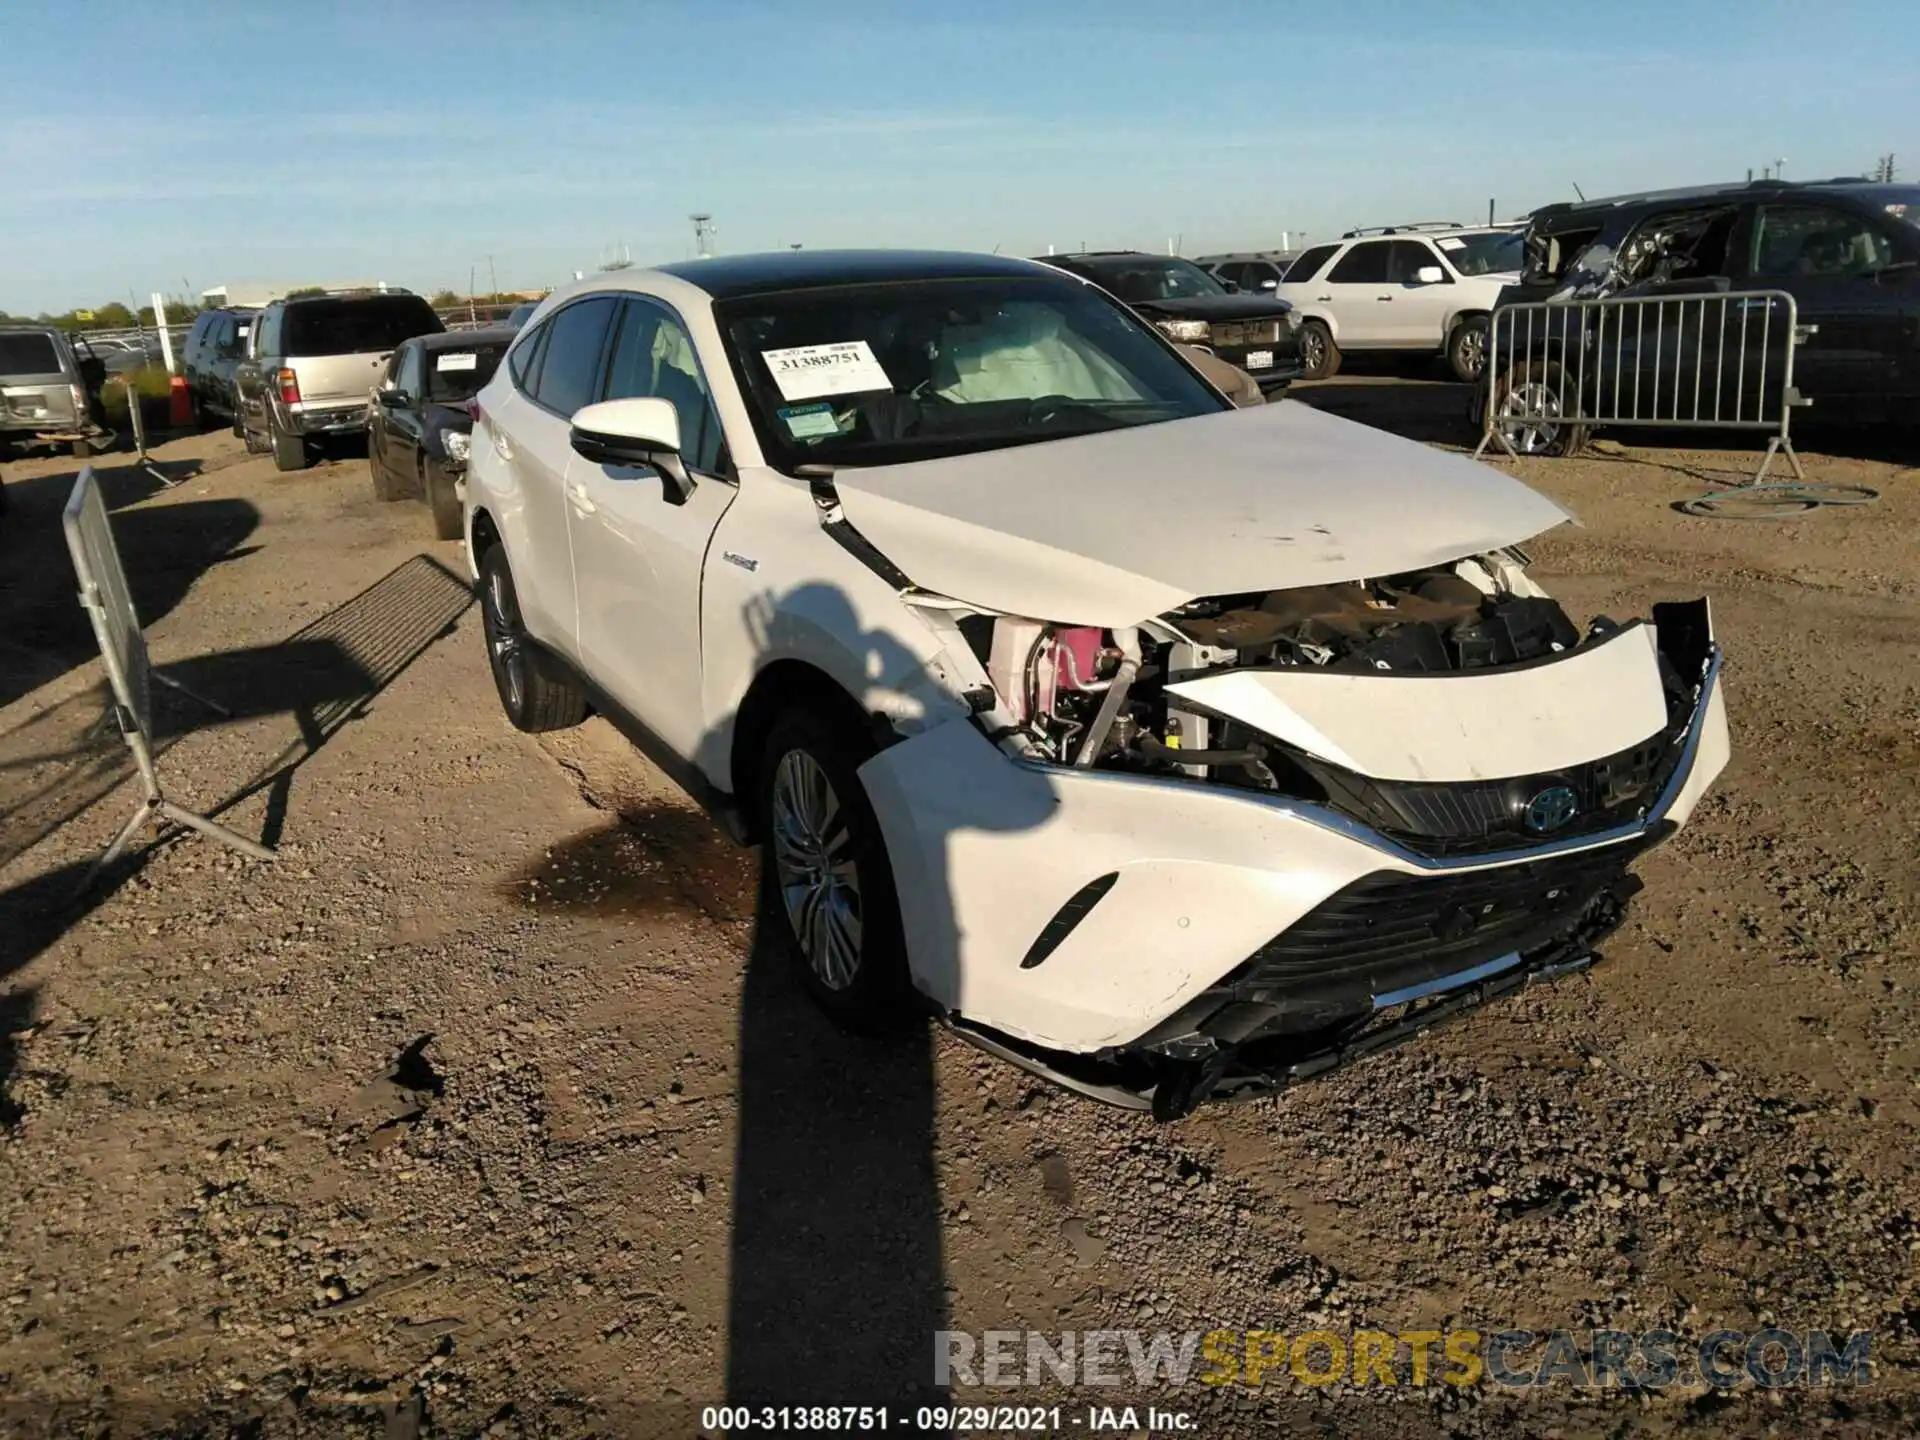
180	415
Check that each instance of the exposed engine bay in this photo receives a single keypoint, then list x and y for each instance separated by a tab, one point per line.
1107	699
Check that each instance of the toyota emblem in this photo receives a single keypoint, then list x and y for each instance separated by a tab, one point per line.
1552	809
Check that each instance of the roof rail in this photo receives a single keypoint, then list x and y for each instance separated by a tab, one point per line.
350	290
1414	226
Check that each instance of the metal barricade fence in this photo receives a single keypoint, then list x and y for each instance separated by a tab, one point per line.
1724	361
130	674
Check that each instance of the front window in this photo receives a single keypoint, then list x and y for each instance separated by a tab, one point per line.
458	374
879	374
1471	255
1146	279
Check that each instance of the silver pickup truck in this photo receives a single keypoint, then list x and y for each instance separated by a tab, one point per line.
311	360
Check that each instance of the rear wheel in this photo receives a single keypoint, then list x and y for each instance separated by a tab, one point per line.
1537	411
532	692
1318	353
289	451
827	887
442	500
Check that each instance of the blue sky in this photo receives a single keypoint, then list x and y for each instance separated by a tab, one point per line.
179	146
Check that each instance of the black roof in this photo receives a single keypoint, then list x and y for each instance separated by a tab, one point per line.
454	339
1854	186
729	276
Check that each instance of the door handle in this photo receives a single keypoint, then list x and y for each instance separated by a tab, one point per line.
1384	299
581	501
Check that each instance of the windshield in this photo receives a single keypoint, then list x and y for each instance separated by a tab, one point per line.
357	326
1496	254
878	374
28	352
458	374
1147	279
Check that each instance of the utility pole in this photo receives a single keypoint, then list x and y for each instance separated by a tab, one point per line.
493	277
702	234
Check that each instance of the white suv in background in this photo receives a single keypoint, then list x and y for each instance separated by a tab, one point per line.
1425	288
1172	751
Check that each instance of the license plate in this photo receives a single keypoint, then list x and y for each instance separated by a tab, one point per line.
1259	359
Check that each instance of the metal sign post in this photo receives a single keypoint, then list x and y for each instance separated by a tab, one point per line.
123	650
135	419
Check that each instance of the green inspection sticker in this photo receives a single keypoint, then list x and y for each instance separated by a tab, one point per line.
809	422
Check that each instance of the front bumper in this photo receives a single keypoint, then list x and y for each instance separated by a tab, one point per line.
1101	923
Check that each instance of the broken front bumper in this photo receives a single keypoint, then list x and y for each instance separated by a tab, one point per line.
1126	934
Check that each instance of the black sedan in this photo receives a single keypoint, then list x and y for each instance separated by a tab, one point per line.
1191	307
419	423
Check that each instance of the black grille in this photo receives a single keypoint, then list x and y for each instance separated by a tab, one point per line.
1462	817
1389	929
1233	333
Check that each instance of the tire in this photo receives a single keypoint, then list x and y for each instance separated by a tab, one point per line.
385	486
533	691
1467	350
256	442
449	517
1318	352
825	874
1541	386
289	451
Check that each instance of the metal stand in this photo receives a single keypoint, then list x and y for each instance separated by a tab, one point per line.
158	809
158	475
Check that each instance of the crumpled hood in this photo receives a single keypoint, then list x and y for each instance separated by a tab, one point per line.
1116	528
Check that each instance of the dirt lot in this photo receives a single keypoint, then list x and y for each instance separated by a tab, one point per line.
481	1105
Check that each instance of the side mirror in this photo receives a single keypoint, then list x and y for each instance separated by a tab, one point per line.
391	399
1232	286
641	433
1429	275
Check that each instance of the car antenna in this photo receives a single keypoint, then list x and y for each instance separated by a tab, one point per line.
1578	191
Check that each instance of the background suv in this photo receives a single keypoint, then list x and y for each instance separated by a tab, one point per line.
1417	289
49	389
1846	250
214	349
311	361
1190	307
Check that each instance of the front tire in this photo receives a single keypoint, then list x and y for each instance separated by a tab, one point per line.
1467	350
443	503
1539	388
534	694
827	893
1318	353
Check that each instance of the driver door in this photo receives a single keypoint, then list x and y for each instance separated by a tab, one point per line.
637	557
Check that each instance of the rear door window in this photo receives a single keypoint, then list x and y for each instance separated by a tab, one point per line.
1310	264
576	337
1791	241
1364	264
357	325
28	353
457	373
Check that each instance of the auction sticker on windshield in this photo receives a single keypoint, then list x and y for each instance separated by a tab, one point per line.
810	422
456	360
805	372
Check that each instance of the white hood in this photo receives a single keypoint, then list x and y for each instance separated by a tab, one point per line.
1115	528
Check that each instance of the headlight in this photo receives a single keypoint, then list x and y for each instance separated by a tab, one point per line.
455	443
1186	331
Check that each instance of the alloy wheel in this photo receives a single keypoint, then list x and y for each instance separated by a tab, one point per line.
1473	353
1534	398
814	866
1313	350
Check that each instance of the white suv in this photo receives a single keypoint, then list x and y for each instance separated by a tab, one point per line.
1169	750
1420	288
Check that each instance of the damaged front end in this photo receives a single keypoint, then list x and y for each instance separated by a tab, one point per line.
1507	765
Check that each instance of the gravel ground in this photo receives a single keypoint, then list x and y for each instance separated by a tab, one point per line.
481	1110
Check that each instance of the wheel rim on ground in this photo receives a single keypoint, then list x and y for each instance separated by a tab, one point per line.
814	866
1532	398
502	620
